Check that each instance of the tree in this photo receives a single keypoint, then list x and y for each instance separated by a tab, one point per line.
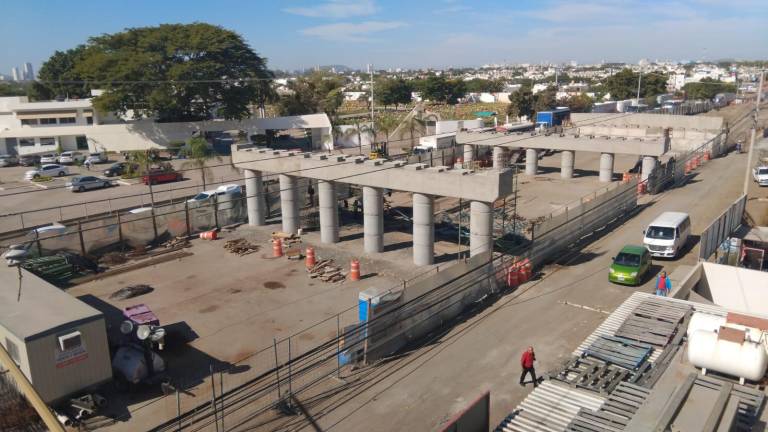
415	123
55	77
392	91
386	124
545	99
707	88
317	92
13	89
175	72
479	85
521	103
199	154
579	103
623	84
441	90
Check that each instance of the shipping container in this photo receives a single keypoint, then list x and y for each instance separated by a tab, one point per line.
556	117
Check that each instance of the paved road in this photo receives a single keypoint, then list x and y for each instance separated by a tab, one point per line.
423	389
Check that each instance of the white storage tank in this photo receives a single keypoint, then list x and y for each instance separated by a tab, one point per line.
709	322
744	360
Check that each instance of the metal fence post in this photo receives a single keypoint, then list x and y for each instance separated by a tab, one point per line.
277	369
21	216
213	400
178	407
61	216
119	229
215	211
80	234
290	388
338	346
186	218
221	398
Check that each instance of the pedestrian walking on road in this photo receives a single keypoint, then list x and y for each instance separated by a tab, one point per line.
663	284
526	362
87	164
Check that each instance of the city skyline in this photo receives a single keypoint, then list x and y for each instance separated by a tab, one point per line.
300	34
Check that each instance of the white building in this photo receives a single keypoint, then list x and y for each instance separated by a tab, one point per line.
15	75
41	127
29	72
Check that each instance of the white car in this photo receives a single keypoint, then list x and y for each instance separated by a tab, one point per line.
51	170
49	158
71	157
223	193
97	158
760	174
19	252
8	160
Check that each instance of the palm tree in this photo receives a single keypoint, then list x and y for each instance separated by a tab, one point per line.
386	124
415	123
199	154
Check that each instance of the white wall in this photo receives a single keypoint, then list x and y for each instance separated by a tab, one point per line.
736	288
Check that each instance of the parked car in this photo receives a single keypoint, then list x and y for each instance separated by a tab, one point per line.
97	158
760	174
156	176
8	160
118	169
223	194
630	266
29	160
84	183
71	157
53	170
19	252
49	158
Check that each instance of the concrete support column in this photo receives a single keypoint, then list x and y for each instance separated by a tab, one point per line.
531	162
606	167
500	157
329	212
567	161
373	219
649	164
254	201
469	153
289	203
423	229
480	228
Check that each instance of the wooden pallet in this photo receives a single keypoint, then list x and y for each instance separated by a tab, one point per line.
653	322
614	414
591	374
619	351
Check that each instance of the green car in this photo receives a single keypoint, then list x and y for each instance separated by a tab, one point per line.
630	265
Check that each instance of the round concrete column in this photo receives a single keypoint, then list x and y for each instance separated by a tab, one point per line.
289	203
423	229
649	164
373	219
567	161
500	156
254	201
469	154
329	212
531	162
606	167
480	228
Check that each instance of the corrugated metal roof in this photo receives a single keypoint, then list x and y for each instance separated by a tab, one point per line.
42	307
549	407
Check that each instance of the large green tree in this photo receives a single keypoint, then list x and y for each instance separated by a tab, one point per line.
442	90
392	91
521	103
58	76
176	72
479	85
317	92
707	88
623	84
579	103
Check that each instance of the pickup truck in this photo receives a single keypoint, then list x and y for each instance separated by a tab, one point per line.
760	175
156	176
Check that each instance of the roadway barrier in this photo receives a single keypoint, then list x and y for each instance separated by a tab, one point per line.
722	227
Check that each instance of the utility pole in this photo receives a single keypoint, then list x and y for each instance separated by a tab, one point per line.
370	70
639	79
748	174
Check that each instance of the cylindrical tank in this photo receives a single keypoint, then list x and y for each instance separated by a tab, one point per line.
746	360
705	321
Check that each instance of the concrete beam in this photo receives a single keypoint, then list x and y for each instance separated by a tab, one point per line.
606	167
329	212
289	203
423	229
485	186
255	202
480	228
567	161
641	120
531	162
633	146
373	219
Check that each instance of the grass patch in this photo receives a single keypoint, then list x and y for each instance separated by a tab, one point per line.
42	179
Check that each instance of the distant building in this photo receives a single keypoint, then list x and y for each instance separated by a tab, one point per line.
29	72
15	76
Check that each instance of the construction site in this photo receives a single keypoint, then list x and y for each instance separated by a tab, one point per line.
334	290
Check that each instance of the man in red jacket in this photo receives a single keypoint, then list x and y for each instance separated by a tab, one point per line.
526	361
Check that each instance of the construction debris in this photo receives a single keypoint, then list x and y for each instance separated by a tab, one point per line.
176	241
241	247
327	271
113	258
131	292
287	238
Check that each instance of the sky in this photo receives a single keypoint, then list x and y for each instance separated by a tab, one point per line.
296	34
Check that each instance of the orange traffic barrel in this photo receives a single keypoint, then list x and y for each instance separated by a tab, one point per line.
707	156
688	166
513	276
277	248
625	177
354	270
641	188
310	260
526	269
209	235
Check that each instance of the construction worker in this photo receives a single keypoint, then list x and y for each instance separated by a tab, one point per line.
663	284
356	206
526	362
311	195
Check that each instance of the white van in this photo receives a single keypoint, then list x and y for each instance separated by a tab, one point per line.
667	234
